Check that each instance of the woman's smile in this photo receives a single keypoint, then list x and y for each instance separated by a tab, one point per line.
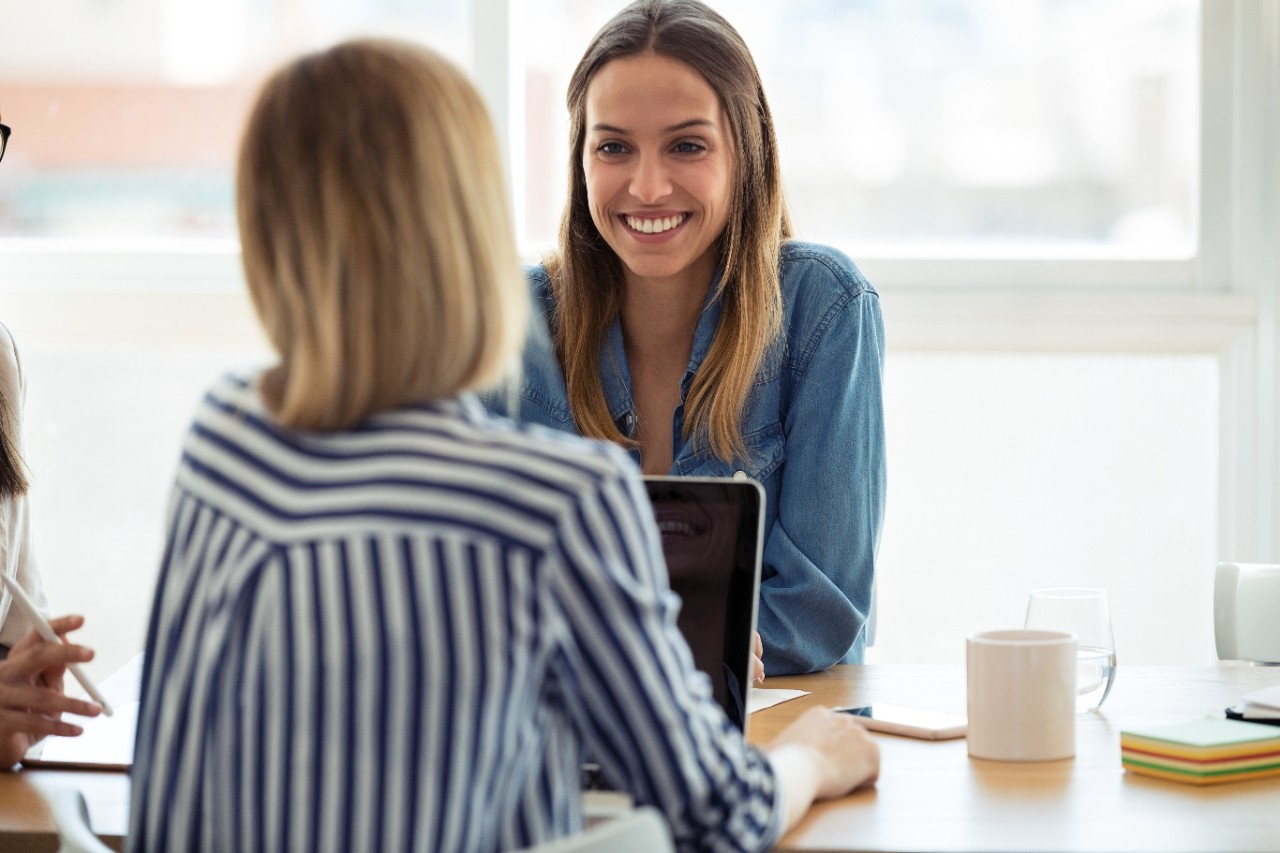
655	226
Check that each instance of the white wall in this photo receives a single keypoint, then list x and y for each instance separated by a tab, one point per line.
1009	472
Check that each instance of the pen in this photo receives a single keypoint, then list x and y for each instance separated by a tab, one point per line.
46	630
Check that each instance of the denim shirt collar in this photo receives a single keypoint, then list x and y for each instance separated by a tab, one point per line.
615	373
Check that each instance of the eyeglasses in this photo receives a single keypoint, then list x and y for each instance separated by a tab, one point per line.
4	138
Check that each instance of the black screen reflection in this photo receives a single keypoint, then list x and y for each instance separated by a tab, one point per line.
710	539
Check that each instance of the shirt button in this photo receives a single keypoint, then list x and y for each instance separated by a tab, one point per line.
739	475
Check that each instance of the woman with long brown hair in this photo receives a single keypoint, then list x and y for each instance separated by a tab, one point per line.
687	326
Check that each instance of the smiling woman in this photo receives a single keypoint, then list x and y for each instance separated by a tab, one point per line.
688	327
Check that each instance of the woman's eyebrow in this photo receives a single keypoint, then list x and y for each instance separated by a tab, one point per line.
693	122
601	127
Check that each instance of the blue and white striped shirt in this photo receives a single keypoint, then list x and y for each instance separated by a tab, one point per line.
408	635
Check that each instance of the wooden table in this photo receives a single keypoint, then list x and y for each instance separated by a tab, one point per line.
26	823
932	797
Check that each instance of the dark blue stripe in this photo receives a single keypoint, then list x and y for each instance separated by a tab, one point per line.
444	680
383	721
289	825
473	578
348	748
258	787
316	724
414	775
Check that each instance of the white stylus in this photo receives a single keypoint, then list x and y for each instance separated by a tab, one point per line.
46	630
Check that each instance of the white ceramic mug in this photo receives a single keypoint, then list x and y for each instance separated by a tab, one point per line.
1246	611
1022	695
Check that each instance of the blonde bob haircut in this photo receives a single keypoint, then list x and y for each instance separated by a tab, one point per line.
376	237
587	276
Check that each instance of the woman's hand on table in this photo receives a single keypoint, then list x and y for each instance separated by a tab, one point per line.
823	754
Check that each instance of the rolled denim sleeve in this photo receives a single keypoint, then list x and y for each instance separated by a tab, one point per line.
820	553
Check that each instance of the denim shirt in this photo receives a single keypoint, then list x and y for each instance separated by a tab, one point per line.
813	425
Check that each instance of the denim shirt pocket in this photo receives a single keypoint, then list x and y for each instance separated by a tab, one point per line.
762	424
768	451
541	406
761	433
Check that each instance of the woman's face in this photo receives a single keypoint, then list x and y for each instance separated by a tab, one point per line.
658	160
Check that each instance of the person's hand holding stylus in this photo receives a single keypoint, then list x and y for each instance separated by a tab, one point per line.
31	697
45	630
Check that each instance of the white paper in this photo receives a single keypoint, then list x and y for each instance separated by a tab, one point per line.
106	741
760	698
1267	697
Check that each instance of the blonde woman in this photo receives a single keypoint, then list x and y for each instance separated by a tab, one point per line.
386	620
686	325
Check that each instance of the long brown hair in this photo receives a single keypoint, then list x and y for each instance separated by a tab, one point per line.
13	478
587	276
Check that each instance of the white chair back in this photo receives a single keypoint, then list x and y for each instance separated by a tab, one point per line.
71	816
642	830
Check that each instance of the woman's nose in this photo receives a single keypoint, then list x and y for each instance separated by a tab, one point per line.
650	182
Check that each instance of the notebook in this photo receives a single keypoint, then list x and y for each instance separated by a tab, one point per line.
713	540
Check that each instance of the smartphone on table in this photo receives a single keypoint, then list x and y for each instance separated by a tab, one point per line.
909	722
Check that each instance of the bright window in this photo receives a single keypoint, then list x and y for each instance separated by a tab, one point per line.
974	123
954	122
126	115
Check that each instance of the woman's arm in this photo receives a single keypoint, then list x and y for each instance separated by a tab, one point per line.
31	698
820	552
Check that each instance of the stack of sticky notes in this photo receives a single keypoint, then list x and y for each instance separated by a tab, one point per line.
1203	752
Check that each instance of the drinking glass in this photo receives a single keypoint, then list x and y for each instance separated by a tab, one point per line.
1084	613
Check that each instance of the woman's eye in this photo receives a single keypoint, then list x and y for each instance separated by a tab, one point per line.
611	148
688	147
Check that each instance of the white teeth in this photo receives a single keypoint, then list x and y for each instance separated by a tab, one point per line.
655	226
